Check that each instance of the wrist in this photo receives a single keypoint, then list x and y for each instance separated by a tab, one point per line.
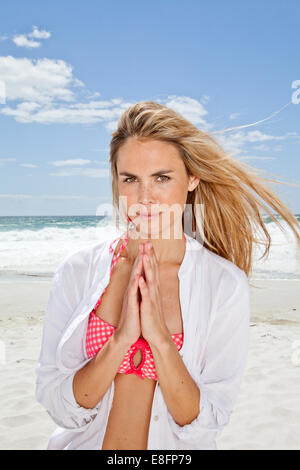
120	341
162	343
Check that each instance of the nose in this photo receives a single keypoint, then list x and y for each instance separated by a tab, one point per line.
145	195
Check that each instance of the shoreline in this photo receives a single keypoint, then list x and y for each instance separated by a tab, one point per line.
272	301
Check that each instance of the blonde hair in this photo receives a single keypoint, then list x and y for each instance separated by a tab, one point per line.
227	190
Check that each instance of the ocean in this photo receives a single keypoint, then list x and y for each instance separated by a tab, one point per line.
31	247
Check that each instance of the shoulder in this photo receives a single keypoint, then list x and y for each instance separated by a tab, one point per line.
222	275
222	266
82	261
77	272
229	292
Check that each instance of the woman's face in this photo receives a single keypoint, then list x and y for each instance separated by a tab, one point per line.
152	179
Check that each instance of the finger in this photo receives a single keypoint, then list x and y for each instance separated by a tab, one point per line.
153	274
137	267
133	284
148	270
154	262
133	291
143	287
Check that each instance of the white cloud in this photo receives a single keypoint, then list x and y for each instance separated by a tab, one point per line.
264	148
61	198
15	196
39	34
234	115
293	134
22	41
44	196
36	82
267	148
29	106
40	86
46	91
235	142
112	125
258	136
70	162
4	160
81	113
256	157
189	108
100	162
28	165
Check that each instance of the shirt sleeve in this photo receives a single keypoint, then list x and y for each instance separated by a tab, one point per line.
224	363
54	388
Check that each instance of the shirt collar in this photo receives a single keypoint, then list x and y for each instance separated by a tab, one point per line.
192	246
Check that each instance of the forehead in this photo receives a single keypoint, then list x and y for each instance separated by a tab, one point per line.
148	153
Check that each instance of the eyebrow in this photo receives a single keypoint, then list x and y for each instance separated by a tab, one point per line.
157	173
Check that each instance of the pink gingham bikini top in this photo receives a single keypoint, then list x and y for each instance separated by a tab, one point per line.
99	331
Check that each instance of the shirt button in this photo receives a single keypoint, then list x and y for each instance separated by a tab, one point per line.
155	418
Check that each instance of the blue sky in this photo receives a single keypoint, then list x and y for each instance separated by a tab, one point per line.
69	69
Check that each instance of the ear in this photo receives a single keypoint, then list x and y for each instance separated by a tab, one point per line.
193	183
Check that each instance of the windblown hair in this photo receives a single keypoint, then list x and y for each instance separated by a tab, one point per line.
229	190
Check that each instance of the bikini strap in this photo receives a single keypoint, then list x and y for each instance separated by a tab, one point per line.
122	247
111	249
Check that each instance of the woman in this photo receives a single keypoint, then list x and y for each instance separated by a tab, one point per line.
145	344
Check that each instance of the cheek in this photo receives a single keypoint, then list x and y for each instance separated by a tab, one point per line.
174	197
129	200
173	194
128	192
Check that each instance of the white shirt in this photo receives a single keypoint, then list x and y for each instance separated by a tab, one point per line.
215	305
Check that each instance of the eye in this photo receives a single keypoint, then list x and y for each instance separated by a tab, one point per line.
126	179
164	176
130	178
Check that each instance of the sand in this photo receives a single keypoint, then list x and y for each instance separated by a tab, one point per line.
267	413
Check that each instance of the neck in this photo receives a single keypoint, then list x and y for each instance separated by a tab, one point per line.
169	250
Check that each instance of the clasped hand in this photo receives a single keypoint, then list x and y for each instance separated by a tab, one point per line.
153	326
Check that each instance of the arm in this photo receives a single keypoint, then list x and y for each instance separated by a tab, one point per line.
180	392
219	382
92	381
54	387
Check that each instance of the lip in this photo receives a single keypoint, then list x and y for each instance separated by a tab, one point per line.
149	216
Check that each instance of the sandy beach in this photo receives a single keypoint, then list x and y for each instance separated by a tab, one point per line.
267	413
